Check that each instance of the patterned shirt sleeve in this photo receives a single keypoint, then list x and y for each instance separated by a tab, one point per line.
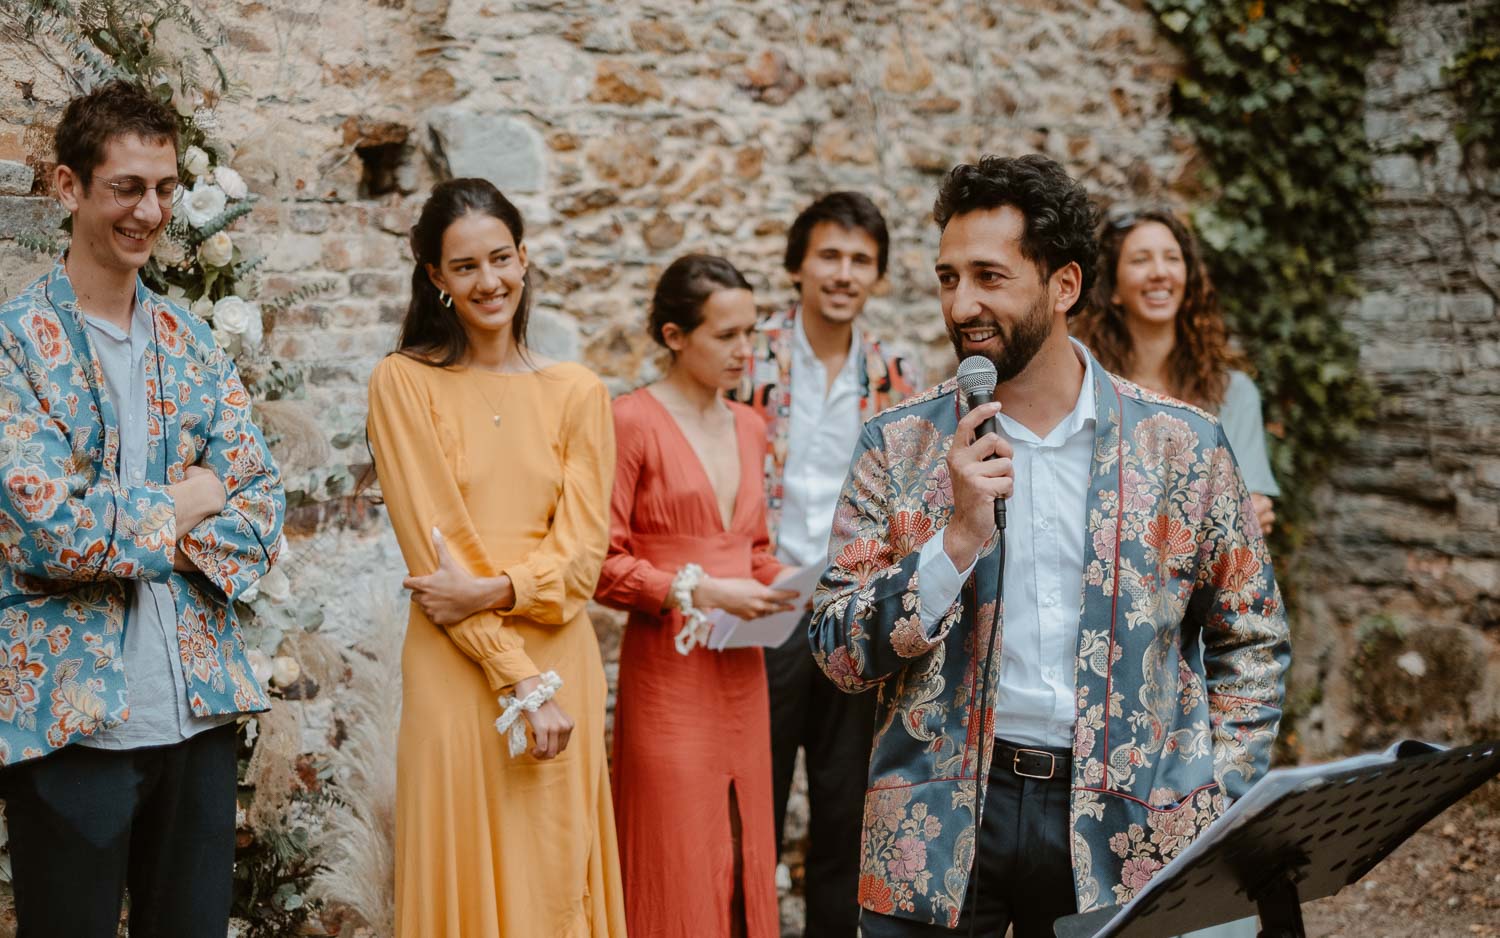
866	622
60	518
236	547
1246	641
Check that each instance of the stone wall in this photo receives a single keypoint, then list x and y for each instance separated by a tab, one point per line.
1399	626
630	132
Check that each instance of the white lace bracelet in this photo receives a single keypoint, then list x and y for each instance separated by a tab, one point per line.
695	625
510	723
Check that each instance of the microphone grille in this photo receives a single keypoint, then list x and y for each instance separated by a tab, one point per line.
976	373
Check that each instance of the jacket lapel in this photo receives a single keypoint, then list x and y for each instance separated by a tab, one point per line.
64	304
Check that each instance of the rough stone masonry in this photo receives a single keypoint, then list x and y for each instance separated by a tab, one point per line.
630	132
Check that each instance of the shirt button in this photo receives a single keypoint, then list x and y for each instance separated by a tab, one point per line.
1043	524
137	476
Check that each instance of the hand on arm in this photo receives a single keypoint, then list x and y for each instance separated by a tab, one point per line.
977	481
1265	512
195	499
450	594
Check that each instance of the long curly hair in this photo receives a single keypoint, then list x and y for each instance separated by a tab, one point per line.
1202	356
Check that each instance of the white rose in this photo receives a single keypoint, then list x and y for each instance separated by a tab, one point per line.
203	308
231	182
203	204
285	671
276	586
217	250
195	161
231	315
260	665
231	345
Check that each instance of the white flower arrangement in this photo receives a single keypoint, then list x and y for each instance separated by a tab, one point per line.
196	162
217	250
204	202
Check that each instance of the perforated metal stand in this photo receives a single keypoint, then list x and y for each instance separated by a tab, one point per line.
1312	841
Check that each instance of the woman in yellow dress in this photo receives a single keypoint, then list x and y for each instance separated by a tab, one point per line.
496	467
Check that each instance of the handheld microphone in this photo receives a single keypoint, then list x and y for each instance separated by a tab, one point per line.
976	379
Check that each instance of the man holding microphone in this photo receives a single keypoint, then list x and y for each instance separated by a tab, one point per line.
1067	702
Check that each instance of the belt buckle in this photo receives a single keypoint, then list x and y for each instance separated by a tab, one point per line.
1051	767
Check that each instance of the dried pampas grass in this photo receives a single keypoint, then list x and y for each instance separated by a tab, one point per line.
272	769
358	845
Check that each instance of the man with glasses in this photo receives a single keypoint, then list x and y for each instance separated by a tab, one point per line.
137	500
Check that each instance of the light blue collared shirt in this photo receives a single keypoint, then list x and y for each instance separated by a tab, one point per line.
159	711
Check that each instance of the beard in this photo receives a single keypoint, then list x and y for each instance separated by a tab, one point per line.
1018	344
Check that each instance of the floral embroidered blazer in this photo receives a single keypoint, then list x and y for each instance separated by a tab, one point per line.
1182	648
72	532
767	387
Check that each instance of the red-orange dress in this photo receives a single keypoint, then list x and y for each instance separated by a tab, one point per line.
687	728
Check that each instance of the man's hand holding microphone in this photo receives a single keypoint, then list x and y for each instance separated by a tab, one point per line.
979	467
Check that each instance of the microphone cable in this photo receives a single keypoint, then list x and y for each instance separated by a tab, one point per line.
982	679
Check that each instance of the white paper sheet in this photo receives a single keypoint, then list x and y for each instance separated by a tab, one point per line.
767	631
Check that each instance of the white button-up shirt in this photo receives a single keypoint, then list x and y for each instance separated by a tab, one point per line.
1046	527
824	431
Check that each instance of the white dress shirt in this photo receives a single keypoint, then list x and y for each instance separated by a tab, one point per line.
824	431
1046	526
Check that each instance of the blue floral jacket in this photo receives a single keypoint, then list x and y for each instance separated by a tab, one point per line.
72	533
1182	637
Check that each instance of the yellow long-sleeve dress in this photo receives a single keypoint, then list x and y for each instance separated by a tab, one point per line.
490	846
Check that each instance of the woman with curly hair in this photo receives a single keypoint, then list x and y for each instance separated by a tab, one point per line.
1153	317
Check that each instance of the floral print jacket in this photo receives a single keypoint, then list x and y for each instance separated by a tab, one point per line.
767	387
1182	648
72	532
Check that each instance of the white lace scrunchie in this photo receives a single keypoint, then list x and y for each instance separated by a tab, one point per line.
695	625
510	723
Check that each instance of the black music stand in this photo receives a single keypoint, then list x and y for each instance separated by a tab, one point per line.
1300	834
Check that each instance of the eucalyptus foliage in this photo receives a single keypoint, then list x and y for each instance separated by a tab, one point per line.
1274	95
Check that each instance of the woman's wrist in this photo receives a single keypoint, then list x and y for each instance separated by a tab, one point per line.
495	592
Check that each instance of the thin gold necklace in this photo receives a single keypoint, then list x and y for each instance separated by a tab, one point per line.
494	410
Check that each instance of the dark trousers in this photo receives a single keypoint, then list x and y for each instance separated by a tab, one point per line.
1025	866
86	824
835	729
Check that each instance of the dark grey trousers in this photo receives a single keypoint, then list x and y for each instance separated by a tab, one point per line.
836	730
86	824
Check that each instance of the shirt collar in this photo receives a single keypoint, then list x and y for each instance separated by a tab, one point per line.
803	349
1080	418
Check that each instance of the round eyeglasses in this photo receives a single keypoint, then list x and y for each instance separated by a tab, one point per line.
129	191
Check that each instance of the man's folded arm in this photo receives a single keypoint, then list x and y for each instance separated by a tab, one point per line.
60	519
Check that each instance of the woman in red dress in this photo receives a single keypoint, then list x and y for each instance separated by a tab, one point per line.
692	751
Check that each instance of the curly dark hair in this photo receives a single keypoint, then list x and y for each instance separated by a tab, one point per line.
113	109
432	332
1060	217
850	210
1202	356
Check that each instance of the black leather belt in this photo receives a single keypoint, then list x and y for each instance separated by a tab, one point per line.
1033	762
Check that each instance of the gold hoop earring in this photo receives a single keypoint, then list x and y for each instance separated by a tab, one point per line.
445	299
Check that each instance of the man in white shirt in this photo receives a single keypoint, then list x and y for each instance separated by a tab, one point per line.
1066	703
816	376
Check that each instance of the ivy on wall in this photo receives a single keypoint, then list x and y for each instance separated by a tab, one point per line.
1475	77
1274	95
